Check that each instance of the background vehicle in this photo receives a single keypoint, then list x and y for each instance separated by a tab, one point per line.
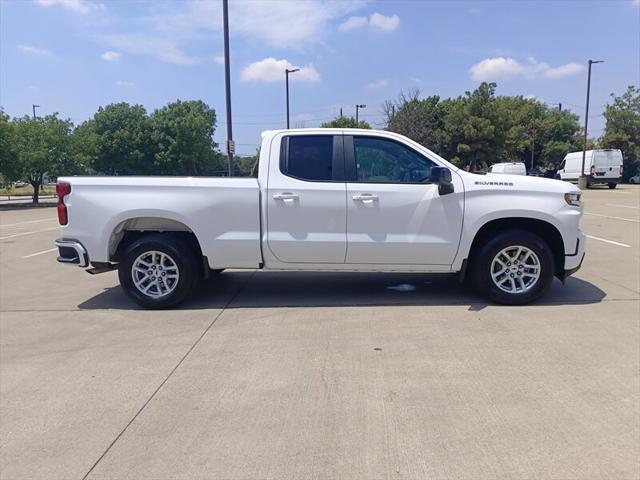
325	199
600	167
509	168
535	173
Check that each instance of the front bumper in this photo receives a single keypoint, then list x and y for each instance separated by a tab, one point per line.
573	261
72	252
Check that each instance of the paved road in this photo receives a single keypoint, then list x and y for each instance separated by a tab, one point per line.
323	375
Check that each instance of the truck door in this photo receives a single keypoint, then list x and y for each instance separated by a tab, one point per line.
394	214
306	199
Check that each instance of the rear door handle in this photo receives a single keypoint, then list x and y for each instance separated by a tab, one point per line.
365	198
286	197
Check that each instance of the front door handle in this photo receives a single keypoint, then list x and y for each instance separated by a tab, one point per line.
286	197
365	198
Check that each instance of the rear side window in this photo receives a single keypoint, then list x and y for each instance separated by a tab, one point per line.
308	157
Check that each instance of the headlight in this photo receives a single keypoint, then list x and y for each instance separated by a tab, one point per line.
572	199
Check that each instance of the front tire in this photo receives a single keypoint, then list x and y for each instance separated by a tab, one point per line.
514	267
158	271
612	185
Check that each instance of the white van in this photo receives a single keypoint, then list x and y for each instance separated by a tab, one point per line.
509	168
600	166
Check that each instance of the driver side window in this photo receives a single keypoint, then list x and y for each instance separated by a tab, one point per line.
379	160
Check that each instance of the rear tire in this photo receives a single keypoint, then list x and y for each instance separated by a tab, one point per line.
159	271
612	185
513	267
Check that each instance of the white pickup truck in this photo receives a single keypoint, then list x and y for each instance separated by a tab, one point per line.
325	199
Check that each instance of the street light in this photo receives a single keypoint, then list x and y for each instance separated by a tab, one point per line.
34	110
358	107
286	74
231	148
582	180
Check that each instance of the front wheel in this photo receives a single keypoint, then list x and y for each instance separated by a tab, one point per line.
514	267
158	271
612	185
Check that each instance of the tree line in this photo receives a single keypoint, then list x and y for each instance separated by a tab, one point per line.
120	139
473	131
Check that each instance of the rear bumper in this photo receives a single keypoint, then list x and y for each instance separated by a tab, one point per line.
595	179
72	252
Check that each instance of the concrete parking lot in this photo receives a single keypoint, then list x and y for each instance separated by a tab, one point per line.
321	375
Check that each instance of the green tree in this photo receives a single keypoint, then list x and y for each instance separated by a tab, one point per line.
84	146
42	146
417	119
622	129
345	122
9	167
479	128
183	135
124	140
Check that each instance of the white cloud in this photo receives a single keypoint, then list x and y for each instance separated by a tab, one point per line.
503	68
353	23
111	56
163	49
272	70
385	24
635	3
378	84
564	70
276	23
124	83
286	24
376	21
76	6
39	52
219	59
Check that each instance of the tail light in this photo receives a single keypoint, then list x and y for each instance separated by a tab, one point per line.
621	170
62	189
593	170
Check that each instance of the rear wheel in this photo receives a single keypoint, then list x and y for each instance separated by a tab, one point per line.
158	271
612	185
514	267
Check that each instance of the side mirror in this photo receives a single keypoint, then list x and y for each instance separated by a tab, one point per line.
442	177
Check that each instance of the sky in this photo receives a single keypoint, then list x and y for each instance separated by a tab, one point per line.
72	56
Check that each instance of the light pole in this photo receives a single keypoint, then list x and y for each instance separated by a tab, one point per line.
582	180
227	80
358	107
286	75
34	110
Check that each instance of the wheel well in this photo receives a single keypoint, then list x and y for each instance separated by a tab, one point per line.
131	230
545	230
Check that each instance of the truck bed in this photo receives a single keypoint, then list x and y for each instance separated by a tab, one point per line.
223	213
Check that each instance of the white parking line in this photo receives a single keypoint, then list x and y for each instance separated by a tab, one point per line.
621	206
4	225
28	233
41	253
614	218
608	241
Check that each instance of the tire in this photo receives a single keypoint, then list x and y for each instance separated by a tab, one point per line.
522	288
159	252
612	185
